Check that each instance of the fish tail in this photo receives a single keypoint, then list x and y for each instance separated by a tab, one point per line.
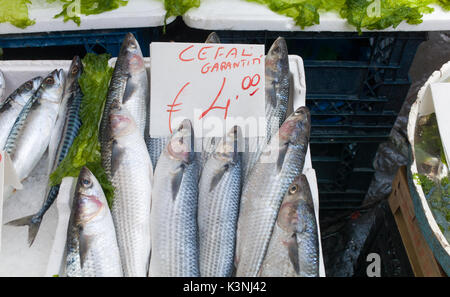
33	222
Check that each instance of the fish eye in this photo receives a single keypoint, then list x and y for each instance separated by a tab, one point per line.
29	85
50	80
133	46
86	182
75	69
293	189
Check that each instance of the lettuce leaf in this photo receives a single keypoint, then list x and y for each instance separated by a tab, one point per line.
366	14
70	10
304	12
16	13
85	150
444	3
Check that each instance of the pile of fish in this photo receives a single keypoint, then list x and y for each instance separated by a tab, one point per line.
176	212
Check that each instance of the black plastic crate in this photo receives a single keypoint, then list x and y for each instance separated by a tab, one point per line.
97	41
356	85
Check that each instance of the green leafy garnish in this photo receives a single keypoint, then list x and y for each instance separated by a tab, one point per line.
304	12
382	14
72	9
15	12
178	7
85	150
423	181
363	14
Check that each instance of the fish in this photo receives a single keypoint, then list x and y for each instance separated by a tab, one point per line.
131	174
66	129
2	88
276	101
213	38
129	86
30	135
294	247
218	207
174	228
91	245
280	163
13	105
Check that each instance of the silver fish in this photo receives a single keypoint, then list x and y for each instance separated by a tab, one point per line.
92	249
294	247
13	105
174	228
131	174
277	98
29	137
2	88
213	38
280	163
129	86
66	129
218	208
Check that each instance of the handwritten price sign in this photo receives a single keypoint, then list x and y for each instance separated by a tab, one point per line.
216	86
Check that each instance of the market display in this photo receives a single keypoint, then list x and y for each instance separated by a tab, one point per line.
64	132
195	214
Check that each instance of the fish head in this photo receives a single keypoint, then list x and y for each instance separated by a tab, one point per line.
213	38
227	149
121	121
91	202
181	144
27	89
277	55
133	52
296	128
288	215
75	70
52	87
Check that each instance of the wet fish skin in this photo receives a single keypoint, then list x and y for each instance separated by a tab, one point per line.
30	135
276	103
13	105
282	160
174	228
131	174
92	249
129	86
218	207
66	129
294	247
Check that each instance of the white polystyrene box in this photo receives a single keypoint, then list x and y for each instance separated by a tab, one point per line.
245	15
136	14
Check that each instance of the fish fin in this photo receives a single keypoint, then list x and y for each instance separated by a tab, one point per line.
84	248
116	156
129	90
281	156
33	226
217	177
292	246
176	182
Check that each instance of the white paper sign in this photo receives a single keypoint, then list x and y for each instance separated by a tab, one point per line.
440	93
8	177
216	86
